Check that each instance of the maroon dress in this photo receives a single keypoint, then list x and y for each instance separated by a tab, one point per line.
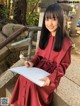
26	93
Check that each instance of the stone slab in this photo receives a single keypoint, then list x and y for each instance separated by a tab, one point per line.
8	75
69	92
73	72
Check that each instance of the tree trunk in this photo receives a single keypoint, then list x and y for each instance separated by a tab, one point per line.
20	11
75	21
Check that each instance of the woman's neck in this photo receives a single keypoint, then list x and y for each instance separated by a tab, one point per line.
53	33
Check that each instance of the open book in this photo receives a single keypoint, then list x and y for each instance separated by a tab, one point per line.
32	73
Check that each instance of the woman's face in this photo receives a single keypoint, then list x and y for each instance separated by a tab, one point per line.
51	24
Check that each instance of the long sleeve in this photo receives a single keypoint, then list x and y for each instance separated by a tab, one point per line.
36	59
61	69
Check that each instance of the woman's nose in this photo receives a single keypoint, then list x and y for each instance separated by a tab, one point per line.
50	22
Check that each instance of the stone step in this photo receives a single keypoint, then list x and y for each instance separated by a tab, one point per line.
9	90
67	93
73	71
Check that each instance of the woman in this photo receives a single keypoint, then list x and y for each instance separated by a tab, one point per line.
53	55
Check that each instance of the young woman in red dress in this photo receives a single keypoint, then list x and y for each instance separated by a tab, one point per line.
53	55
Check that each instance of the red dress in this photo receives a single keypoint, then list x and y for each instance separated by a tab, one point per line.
26	93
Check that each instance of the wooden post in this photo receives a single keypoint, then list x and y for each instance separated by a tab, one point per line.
73	31
30	44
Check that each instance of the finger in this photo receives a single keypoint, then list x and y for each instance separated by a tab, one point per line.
42	79
27	64
46	81
45	84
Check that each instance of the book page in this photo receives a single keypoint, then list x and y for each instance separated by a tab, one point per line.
32	73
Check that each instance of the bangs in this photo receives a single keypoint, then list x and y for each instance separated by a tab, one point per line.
50	15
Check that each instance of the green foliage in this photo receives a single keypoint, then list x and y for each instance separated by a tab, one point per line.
3	12
32	14
3	15
33	19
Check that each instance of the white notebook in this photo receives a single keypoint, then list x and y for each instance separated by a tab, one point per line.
32	73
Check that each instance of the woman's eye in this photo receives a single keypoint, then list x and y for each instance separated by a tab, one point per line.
53	19
47	19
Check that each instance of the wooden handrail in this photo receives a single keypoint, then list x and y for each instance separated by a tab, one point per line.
17	33
12	37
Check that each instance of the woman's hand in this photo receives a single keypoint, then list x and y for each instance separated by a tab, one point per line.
11	105
28	64
46	81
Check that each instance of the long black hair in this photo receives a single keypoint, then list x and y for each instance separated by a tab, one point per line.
53	11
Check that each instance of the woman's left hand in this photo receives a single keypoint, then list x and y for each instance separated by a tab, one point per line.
46	81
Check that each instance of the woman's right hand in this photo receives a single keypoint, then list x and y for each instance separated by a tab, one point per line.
28	64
